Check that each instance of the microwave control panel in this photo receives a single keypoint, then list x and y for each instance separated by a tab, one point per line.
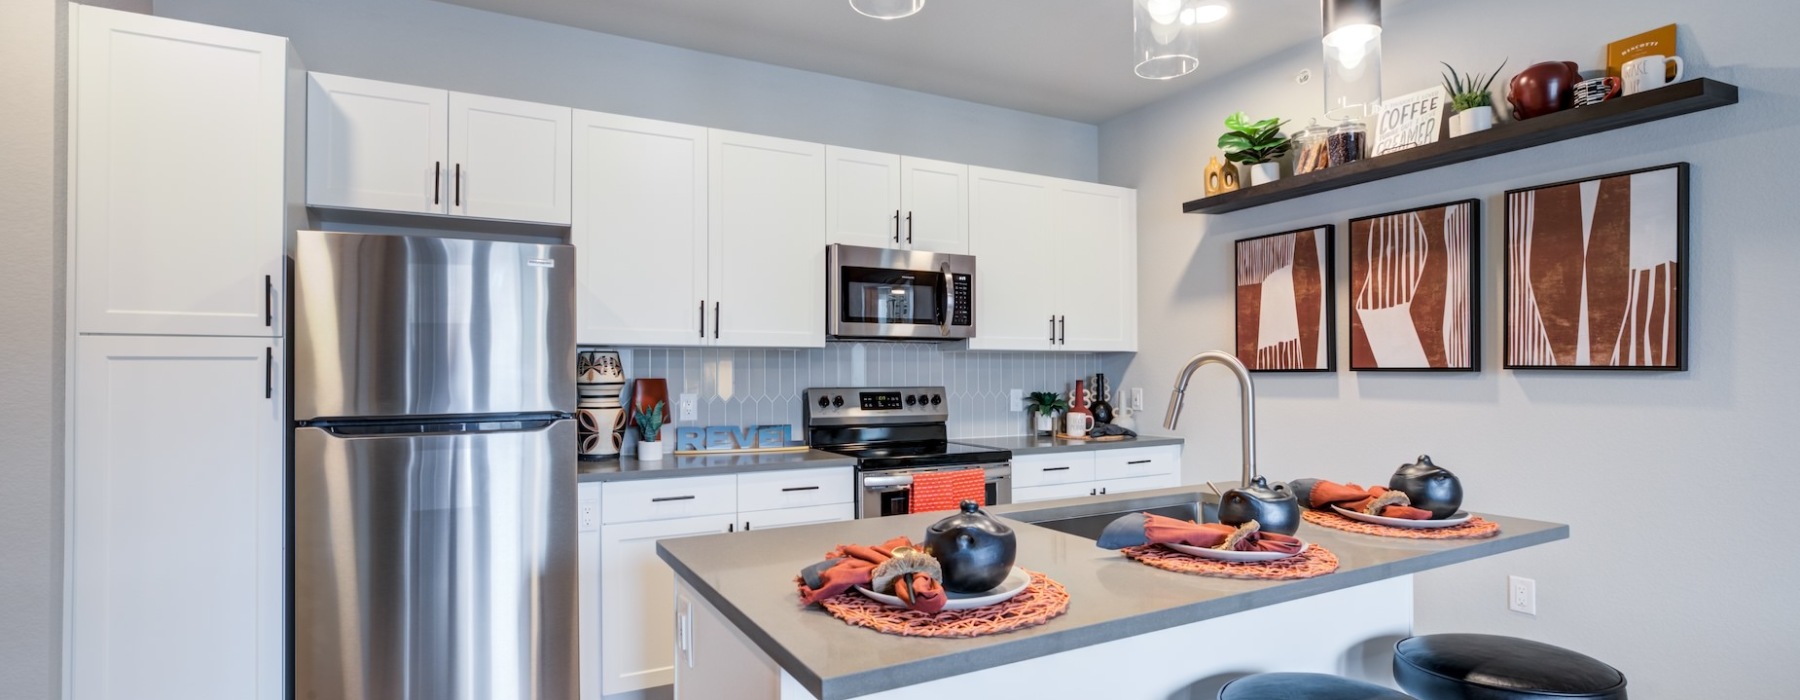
962	289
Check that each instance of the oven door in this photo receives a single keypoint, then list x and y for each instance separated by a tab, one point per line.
881	293
883	493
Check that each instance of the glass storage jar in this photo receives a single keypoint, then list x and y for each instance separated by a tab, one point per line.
1348	143
1311	148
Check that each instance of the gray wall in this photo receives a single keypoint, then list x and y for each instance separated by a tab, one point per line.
454	47
1662	577
31	347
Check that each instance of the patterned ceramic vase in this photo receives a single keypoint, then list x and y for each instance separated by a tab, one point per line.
602	428
599	376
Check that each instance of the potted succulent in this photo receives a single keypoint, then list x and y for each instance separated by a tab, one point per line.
1044	405
649	424
1470	97
1258	144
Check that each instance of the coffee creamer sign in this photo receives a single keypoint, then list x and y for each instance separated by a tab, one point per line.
1410	120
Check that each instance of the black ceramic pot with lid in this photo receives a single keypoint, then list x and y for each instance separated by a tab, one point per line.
975	550
1275	509
1429	487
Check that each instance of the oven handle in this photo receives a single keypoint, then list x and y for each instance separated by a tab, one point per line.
949	296
875	482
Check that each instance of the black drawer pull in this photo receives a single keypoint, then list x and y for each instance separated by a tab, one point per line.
1139	461
661	499
1056	469
800	488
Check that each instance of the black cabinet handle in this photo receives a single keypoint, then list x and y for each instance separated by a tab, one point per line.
715	320
1053	329
800	488
662	499
731	528
746	526
1103	491
456	199
437	181
268	301
703	318
1139	461
1093	492
1056	469
896	225
268	373
1063	337
909	228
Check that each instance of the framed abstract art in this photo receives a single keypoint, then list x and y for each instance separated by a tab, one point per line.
1284	301
1415	290
1596	273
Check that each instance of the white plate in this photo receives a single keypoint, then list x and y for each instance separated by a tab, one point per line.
1461	516
1015	583
1234	555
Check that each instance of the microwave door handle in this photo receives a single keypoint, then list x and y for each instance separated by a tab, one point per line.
949	299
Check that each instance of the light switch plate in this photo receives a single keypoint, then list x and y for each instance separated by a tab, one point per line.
1018	400
1137	398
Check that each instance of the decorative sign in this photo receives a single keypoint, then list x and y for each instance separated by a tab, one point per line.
726	437
1656	42
1410	120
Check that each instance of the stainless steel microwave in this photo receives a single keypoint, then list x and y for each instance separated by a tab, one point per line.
877	293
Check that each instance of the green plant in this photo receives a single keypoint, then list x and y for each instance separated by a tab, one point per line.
1470	90
650	423
1253	143
1046	402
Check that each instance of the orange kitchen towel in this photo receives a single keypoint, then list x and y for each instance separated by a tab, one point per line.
947	490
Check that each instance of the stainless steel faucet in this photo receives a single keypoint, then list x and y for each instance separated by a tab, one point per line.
1246	394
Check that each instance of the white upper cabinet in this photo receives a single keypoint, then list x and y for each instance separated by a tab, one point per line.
640	232
1018	266
392	147
881	200
1096	226
182	170
767	241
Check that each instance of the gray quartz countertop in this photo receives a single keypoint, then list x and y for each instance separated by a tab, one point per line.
1032	444
630	468
749	578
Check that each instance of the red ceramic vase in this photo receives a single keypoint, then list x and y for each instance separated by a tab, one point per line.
1543	88
644	395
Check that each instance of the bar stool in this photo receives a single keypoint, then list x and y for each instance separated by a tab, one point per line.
1492	667
1305	686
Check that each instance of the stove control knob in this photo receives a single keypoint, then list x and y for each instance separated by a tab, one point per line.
912	400
823	402
936	399
837	401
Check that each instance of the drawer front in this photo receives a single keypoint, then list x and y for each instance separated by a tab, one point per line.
789	517
1110	487
1049	470
1033	494
1142	461
665	499
795	488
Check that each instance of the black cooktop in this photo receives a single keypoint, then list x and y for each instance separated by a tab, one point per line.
930	453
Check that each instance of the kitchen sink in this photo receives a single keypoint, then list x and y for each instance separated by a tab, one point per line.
1088	517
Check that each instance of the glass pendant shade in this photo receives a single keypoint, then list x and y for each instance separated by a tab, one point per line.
1162	46
1352	58
887	9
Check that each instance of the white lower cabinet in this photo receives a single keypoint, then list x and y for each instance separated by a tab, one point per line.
1048	477
177	566
628	641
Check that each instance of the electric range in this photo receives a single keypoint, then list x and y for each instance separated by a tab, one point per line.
895	433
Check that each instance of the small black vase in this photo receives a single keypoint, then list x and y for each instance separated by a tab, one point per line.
1101	408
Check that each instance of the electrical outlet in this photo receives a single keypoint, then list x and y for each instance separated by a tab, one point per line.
1521	595
1137	398
690	407
589	514
1018	400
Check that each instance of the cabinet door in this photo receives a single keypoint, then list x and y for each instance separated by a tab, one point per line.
640	232
767	244
935	197
790	517
376	145
1019	267
637	595
1099	311
176	522
862	198
178	176
509	159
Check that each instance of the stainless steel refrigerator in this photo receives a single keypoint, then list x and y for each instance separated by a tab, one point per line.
434	521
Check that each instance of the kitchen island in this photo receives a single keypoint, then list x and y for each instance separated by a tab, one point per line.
1130	630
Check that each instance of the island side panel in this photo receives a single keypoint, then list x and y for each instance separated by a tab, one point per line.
714	660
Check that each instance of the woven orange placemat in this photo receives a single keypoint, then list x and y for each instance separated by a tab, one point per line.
1477	528
1043	599
1315	561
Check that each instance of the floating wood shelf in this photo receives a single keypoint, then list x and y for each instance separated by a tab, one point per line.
1662	103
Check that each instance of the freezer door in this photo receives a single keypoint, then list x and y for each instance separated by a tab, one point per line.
419	325
435	566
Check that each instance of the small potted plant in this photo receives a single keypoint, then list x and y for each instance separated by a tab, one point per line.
649	424
1258	144
1044	405
1470	97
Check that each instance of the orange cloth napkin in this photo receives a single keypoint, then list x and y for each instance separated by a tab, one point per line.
1165	530
852	565
1357	498
933	491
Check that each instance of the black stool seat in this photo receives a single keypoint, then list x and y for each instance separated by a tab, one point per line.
1491	667
1305	686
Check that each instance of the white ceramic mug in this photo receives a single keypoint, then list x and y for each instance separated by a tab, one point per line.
1077	424
1650	73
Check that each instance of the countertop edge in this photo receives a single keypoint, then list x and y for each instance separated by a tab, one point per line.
1017	443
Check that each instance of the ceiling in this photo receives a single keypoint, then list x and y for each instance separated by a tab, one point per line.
1063	58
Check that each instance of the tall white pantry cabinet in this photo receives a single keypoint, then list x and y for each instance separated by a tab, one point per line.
185	156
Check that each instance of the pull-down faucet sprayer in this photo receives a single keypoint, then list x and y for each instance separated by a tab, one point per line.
1246	394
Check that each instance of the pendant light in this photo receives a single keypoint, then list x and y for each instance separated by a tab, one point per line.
887	9
1352	57
1165	45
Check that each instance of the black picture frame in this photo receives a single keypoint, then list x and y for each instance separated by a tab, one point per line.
1471	291
1521	303
1325	236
